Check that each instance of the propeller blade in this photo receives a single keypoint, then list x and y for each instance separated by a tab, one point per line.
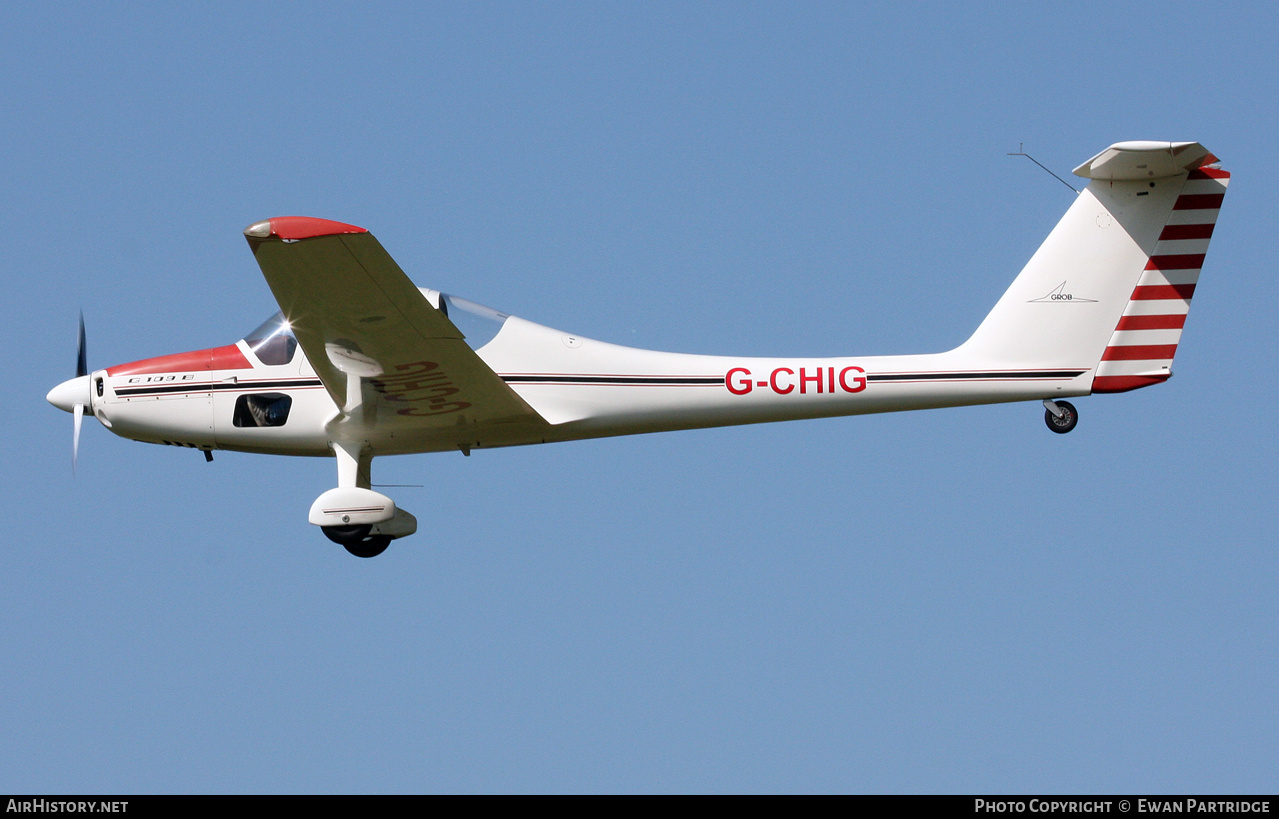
81	369
82	357
75	436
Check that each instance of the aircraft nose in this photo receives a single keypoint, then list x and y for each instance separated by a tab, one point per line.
71	392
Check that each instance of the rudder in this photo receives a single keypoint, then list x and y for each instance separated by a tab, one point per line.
1141	349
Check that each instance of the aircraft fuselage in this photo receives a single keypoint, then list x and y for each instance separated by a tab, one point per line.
226	399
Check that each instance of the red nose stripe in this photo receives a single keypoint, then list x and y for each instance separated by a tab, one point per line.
218	358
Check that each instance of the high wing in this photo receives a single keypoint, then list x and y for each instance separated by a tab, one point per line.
391	361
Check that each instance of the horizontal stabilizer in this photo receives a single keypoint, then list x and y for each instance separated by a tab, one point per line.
1145	160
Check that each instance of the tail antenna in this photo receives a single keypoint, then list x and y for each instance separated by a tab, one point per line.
1021	152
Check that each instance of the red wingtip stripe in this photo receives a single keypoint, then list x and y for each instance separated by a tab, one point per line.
1172	322
1175	232
308	227
1124	383
1140	352
1147	292
1181	261
1199	201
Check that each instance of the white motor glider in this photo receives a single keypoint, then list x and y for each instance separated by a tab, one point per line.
361	362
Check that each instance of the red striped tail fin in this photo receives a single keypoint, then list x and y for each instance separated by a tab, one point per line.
1141	349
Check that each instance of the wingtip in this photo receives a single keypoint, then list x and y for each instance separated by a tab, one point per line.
298	227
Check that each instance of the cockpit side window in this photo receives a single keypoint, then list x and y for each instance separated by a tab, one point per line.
273	342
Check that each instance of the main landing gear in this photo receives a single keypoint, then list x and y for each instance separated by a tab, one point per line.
1060	416
362	521
357	540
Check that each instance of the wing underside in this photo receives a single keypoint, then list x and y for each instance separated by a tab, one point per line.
392	362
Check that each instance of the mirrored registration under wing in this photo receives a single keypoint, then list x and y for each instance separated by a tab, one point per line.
391	361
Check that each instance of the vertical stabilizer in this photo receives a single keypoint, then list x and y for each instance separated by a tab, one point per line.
1108	290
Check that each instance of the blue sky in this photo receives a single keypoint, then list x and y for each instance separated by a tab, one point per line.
942	601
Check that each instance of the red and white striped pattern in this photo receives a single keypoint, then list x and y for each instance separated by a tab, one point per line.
1144	342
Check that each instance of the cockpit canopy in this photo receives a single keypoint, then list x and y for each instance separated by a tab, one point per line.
478	323
274	344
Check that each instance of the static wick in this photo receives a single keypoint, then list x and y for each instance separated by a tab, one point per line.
1020	152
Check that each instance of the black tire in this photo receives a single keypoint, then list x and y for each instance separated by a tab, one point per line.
343	535
1069	417
370	546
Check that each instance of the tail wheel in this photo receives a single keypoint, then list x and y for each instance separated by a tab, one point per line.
1066	421
369	547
